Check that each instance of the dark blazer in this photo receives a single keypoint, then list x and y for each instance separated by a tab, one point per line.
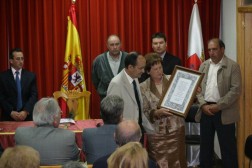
8	93
98	142
169	62
102	162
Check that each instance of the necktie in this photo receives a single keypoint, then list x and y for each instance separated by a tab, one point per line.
138	102
19	95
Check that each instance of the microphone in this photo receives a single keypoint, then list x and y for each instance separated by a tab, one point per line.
98	124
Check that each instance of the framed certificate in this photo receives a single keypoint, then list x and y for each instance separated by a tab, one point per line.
181	90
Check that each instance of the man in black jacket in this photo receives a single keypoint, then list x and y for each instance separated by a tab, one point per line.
126	131
17	105
159	46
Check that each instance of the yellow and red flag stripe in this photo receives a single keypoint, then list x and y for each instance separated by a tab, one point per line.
73	74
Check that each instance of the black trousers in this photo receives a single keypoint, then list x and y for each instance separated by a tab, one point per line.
226	137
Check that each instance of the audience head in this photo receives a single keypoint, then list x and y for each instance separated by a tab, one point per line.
112	109
20	156
73	164
47	112
216	49
134	64
16	58
127	131
159	43
114	45
130	155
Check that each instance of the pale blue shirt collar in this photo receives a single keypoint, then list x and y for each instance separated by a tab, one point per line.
14	72
162	56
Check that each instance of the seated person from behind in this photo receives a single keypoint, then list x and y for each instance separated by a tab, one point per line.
131	154
99	141
126	131
74	164
55	145
20	156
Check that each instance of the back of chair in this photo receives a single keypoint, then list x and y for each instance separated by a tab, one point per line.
72	97
86	95
55	166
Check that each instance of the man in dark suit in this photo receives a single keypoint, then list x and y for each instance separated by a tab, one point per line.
126	131
159	46
11	109
55	145
99	141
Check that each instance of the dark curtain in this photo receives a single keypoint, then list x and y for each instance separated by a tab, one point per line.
40	28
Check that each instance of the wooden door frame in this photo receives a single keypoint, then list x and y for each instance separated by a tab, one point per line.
244	128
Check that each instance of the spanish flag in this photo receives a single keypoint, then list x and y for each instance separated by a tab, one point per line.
195	41
73	75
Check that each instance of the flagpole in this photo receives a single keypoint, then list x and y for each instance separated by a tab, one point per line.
73	74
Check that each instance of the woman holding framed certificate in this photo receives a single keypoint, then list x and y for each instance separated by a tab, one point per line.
165	131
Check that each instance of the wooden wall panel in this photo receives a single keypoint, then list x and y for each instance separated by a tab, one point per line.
244	57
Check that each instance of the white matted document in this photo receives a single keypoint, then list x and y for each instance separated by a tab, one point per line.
66	120
181	90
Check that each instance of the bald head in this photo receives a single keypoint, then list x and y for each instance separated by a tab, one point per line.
127	131
112	38
114	45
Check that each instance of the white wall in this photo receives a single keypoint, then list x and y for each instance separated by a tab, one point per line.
228	27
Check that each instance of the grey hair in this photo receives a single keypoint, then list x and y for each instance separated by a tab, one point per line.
73	164
45	110
112	109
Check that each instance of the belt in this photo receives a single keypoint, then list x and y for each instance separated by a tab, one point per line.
211	102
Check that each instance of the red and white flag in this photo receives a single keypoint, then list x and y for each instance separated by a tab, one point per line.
195	41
